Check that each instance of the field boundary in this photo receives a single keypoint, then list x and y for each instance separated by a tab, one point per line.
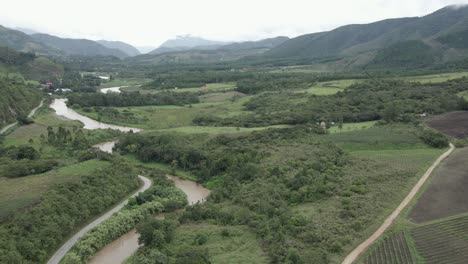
351	257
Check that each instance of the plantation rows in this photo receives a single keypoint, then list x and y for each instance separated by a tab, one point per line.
444	242
393	250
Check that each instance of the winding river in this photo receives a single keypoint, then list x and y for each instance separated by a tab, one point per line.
126	245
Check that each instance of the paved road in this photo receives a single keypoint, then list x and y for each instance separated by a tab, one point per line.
58	255
3	130
364	245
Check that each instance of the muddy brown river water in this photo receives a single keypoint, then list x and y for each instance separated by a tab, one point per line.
126	245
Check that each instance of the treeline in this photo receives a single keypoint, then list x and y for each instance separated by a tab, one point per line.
389	100
131	99
31	236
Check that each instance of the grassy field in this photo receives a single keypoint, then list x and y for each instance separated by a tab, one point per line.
211	87
18	193
435	78
124	82
164	117
237	245
218	130
329	87
351	127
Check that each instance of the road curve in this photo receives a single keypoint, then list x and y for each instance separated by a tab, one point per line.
3	130
58	255
364	245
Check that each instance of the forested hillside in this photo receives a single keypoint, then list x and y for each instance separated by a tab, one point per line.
16	100
443	33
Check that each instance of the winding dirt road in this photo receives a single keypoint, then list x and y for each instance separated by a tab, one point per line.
364	245
3	130
58	255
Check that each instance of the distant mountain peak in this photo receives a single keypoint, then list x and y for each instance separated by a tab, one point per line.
189	41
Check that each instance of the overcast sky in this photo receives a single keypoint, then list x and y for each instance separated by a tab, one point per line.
151	22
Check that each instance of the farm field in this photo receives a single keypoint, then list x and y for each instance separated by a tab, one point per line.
446	195
454	124
393	249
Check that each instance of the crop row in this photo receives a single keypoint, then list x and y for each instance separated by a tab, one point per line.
392	250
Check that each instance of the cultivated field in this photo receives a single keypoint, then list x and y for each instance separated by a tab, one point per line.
446	195
443	242
454	124
392	250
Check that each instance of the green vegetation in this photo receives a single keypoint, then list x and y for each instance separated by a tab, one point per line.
163	197
31	236
329	87
224	244
263	178
16	100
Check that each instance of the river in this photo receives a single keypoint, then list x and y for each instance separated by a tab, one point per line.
125	246
61	109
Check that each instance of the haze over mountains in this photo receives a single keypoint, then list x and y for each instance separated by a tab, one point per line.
439	37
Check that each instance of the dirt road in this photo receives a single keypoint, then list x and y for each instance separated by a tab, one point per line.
364	245
3	130
58	255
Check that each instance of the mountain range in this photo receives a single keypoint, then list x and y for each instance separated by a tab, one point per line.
436	38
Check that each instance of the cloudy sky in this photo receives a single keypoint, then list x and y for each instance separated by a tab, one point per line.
151	22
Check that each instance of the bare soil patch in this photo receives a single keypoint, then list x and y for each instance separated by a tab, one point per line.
447	194
454	124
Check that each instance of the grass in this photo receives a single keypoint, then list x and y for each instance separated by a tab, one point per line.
160	166
464	95
19	193
218	130
238	245
211	87
435	78
164	117
124	82
351	127
329	87
394	137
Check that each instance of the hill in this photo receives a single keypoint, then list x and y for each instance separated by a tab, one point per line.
20	41
119	45
15	100
83	47
442	32
261	44
209	54
183	43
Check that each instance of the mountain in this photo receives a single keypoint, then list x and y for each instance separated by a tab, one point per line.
211	53
82	47
183	43
188	41
261	44
145	49
20	41
441	34
122	46
26	30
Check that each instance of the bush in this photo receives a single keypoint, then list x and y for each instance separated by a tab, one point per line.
434	138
